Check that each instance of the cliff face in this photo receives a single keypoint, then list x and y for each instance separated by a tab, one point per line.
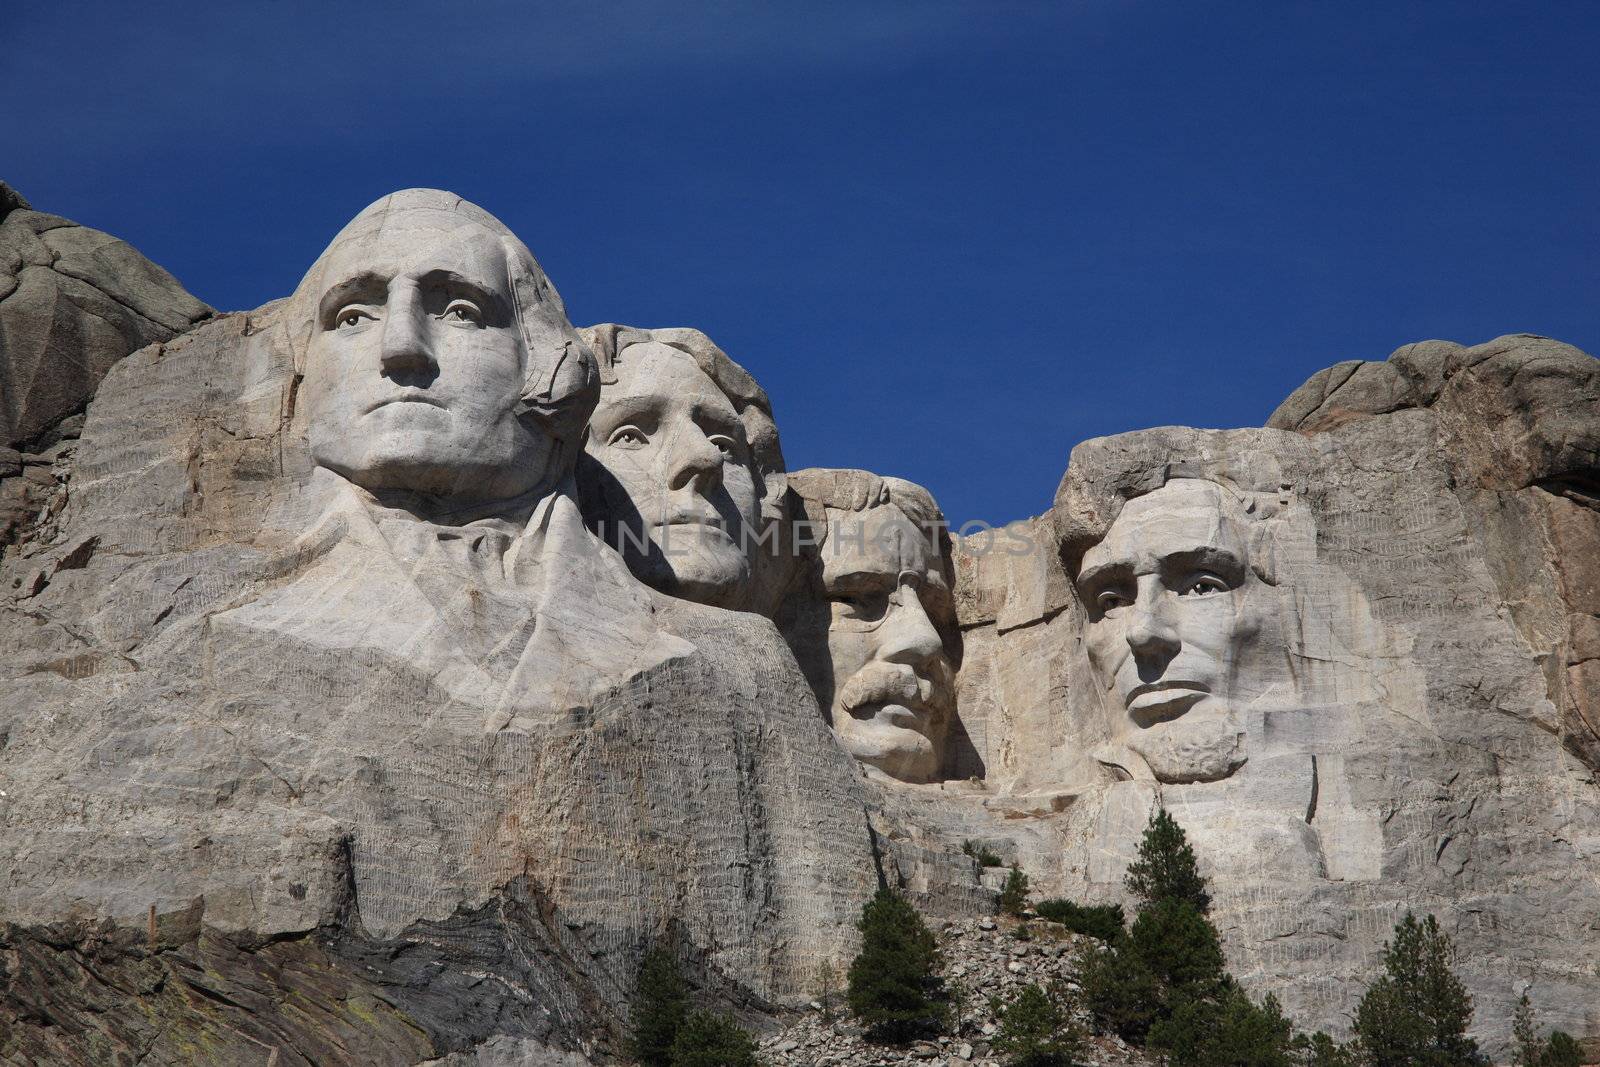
287	773
1410	677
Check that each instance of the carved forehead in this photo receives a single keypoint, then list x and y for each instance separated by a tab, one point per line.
881	540
651	369
415	240
1183	515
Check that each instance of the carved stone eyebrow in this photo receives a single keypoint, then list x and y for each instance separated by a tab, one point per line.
489	301
1220	561
1096	575
362	288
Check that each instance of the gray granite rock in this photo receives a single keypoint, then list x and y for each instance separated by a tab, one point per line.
73	301
1385	699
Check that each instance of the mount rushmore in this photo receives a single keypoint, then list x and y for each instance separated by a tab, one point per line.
389	667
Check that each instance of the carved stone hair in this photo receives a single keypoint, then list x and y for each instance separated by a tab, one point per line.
819	489
610	343
561	382
1105	473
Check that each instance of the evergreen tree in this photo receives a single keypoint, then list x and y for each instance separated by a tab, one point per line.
1532	1051
1121	992
1561	1051
1528	1046
1320	1050
1014	897
1228	1031
1417	1014
894	984
1165	982
706	1039
1166	868
1035	1031
660	1002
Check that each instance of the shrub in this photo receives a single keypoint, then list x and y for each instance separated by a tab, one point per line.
1166	868
1035	1031
894	984
1014	897
1230	1030
660	1002
1102	921
1561	1051
1417	1014
827	989
981	854
707	1039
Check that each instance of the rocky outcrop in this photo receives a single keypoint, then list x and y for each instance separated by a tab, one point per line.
330	732
986	962
307	778
73	301
1401	674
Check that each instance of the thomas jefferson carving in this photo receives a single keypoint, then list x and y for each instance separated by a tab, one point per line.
682	470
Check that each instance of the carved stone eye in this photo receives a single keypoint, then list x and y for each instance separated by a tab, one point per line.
463	311
629	437
1204	585
350	317
1110	599
725	445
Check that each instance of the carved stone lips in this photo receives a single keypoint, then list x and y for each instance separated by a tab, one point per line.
409	397
1157	701
687	517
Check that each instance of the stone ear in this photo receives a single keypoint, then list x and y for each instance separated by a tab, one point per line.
561	389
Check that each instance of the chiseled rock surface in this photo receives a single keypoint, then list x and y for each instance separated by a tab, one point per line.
73	301
200	744
1398	707
314	752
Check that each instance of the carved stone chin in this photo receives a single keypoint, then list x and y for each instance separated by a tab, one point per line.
1206	750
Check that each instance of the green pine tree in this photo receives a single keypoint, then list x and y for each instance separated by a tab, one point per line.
1417	1014
1035	1031
894	985
706	1039
1320	1050
1529	1048
1561	1051
1166	868
660	1003
1014	896
1230	1030
1533	1051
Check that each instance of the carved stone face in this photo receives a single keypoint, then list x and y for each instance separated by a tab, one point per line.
893	685
416	363
671	480
1168	617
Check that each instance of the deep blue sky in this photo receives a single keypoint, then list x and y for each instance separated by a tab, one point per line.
951	239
